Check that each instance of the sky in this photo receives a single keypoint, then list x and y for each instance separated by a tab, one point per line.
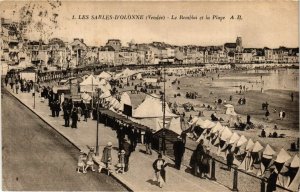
270	24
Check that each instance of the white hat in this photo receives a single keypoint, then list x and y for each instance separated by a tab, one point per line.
109	144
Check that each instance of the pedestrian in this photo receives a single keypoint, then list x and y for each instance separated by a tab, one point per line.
267	114
121	163
230	98
179	149
120	136
17	88
263	133
196	158
52	108
148	141
81	162
57	108
159	166
249	119
271	181
106	159
281	115
67	118
74	117
292	96
89	159
229	159
204	168
127	148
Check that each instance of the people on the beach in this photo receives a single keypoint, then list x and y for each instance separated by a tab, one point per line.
263	133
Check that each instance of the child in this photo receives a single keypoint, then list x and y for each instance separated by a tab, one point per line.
90	161
159	170
121	164
81	164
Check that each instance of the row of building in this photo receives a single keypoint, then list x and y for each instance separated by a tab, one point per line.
17	49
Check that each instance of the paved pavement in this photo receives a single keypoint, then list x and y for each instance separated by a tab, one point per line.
140	174
36	157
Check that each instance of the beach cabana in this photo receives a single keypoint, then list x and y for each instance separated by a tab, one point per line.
245	165
230	110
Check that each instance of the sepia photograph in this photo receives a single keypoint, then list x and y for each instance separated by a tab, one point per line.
149	95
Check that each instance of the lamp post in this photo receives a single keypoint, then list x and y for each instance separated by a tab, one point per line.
97	136
164	113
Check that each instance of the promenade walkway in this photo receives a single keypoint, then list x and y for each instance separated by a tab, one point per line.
140	175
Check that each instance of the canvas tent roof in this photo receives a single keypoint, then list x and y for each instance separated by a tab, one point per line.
282	156
226	134
249	145
257	147
126	73
234	138
125	99
104	75
295	162
139	76
242	140
194	120
150	108
217	127
175	125
268	152
90	80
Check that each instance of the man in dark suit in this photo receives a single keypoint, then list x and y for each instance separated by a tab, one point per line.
179	149
128	149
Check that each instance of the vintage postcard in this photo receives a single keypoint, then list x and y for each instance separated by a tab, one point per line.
150	95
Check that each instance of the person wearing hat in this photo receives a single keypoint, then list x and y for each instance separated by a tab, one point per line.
106	158
127	148
121	164
89	160
81	162
179	149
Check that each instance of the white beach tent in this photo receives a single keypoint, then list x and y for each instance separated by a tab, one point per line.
125	99
245	165
295	167
239	150
175	125
104	75
281	158
224	137
266	160
90	84
139	76
151	107
207	124
256	156
230	110
150	113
